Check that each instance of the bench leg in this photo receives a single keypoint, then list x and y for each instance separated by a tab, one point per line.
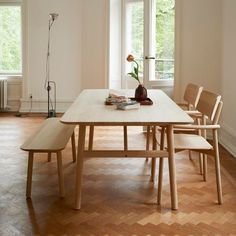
60	175
73	147
49	157
29	174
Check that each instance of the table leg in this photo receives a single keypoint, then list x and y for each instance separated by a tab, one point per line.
125	138
172	172
161	166
148	139
79	166
91	134
154	147
73	147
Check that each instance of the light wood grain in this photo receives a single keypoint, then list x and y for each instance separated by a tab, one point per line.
73	146
192	94
211	106
161	167
29	174
79	166
89	109
128	153
117	197
172	170
60	175
91	135
51	136
208	104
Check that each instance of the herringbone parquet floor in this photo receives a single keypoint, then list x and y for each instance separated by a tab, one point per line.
117	199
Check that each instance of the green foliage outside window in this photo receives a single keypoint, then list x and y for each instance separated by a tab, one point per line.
165	24
164	38
10	39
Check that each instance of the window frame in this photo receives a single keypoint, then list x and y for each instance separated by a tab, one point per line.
17	3
147	27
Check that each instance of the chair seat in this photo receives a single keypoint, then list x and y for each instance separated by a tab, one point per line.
191	142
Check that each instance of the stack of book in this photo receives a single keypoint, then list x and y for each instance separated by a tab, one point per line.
116	97
128	105
121	101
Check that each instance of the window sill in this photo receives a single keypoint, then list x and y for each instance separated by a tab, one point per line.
9	77
162	83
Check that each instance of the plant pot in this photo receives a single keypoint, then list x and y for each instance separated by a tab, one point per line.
141	93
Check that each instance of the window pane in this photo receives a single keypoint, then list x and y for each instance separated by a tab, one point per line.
10	39
135	31
165	21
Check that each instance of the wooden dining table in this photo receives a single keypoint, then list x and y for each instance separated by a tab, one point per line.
89	109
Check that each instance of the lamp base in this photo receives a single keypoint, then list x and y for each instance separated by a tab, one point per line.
52	113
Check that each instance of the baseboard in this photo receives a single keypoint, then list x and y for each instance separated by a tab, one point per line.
227	139
40	106
13	104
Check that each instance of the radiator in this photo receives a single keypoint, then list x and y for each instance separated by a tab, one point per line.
3	94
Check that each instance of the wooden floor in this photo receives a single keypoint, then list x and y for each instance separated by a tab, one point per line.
117	199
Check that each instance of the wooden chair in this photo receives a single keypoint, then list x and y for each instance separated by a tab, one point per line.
51	137
191	97
210	106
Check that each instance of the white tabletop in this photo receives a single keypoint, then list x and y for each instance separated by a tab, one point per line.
89	109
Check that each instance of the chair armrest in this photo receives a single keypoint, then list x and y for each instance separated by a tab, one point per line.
195	113
182	104
197	126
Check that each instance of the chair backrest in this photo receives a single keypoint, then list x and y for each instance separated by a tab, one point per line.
209	104
192	94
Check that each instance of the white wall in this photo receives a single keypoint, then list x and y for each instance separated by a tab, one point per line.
65	51
94	62
78	53
115	37
228	133
207	56
199	43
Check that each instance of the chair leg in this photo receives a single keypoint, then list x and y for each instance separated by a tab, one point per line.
217	167
125	138
161	166
204	167
200	154
204	157
49	156
60	175
154	147
29	174
148	140
73	147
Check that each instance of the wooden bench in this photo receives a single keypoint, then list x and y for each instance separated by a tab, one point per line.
51	137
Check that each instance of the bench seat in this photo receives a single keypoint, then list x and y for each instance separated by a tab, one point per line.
51	136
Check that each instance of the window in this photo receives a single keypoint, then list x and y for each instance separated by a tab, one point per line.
149	35
135	31
164	38
10	39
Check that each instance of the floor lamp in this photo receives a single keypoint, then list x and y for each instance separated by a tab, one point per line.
48	82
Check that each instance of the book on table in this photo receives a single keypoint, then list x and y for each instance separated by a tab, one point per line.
128	105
